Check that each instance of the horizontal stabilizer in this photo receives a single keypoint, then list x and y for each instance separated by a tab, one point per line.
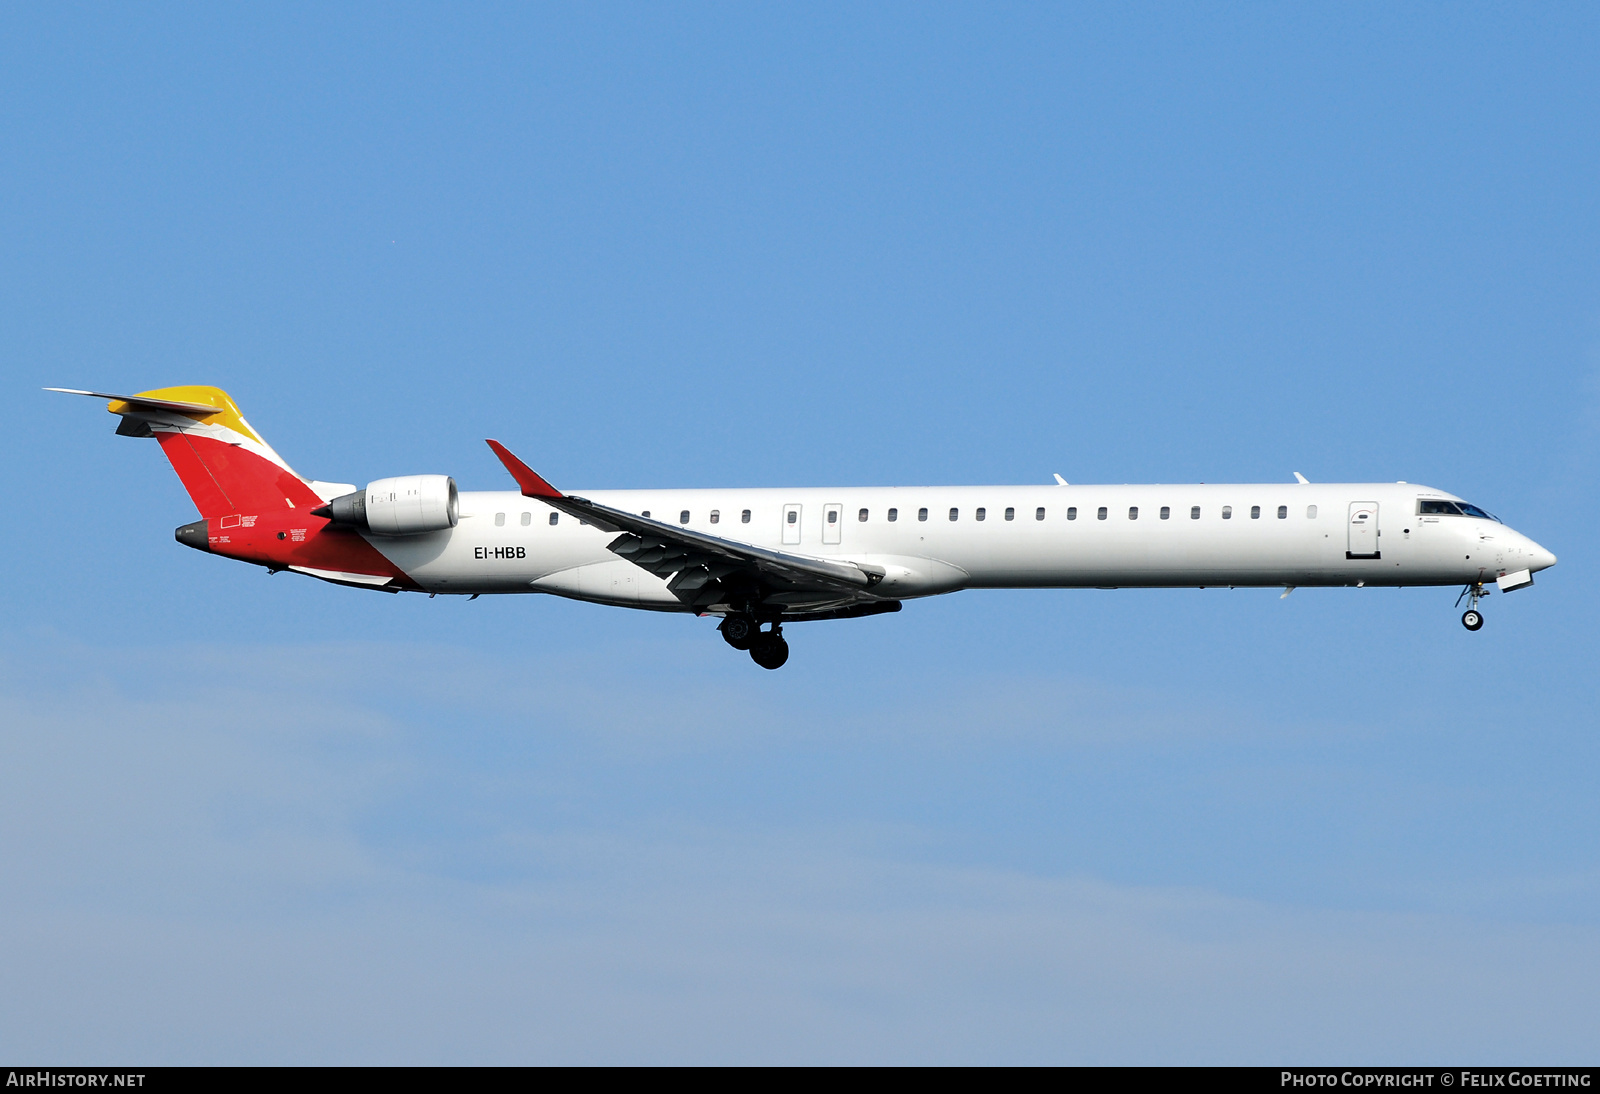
134	402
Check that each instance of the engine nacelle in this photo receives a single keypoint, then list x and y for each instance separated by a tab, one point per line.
403	506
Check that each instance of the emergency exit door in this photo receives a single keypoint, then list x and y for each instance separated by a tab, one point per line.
791	524
1363	536
832	517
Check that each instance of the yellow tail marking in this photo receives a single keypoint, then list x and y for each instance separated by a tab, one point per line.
227	412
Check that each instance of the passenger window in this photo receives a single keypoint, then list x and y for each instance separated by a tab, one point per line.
1283	512
1311	512
683	517
922	514
744	517
954	513
1133	512
833	516
1102	513
1194	512
1227	512
894	515
499	520
716	516
1038	514
527	519
1072	513
793	516
1011	513
1166	511
1255	512
981	513
862	516
555	518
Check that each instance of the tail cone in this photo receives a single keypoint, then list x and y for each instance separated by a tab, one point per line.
193	535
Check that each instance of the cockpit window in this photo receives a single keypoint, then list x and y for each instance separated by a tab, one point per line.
1429	507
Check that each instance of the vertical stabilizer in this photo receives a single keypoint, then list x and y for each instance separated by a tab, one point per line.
223	463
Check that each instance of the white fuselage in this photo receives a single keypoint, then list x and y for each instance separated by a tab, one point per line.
1148	536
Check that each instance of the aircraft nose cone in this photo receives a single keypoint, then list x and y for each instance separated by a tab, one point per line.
1538	558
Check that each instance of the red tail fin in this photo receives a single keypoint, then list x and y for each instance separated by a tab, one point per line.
223	463
224	478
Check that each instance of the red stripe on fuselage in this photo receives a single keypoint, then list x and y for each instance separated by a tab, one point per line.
292	537
258	512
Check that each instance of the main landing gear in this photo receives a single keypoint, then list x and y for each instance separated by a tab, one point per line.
739	631
1472	618
767	648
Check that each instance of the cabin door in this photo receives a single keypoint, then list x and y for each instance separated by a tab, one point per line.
1363	541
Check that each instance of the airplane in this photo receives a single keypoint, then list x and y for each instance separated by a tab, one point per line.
760	558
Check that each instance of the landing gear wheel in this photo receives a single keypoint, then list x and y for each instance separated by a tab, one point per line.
769	651
1472	618
738	631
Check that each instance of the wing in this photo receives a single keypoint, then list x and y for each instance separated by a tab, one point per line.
709	573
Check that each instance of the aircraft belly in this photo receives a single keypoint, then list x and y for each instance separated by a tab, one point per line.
912	576
610	581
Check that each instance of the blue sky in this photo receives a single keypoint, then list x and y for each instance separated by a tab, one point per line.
259	819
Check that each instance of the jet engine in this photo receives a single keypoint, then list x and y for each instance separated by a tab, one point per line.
402	506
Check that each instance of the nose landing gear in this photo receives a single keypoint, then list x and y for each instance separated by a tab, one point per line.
1472	618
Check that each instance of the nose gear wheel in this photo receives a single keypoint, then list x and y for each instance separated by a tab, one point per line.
1472	618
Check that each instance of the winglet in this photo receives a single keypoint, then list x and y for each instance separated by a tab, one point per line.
527	478
1061	481
1301	479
